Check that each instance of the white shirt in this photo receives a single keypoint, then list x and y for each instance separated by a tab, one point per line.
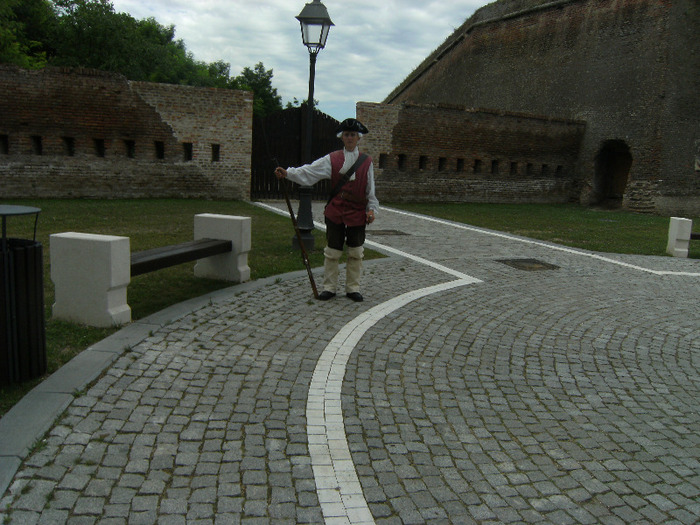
310	174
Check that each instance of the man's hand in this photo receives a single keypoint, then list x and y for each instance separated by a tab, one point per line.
281	173
370	217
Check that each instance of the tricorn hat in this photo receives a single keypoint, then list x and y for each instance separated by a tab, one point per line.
351	124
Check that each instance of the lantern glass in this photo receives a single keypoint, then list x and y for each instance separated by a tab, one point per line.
315	25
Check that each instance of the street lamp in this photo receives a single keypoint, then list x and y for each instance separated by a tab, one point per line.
315	25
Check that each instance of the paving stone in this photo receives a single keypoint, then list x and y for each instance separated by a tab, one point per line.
559	396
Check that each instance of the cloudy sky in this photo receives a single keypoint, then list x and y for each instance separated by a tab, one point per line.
374	45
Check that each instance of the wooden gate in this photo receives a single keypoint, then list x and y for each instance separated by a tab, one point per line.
279	139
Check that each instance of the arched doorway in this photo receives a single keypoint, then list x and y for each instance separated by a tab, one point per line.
612	167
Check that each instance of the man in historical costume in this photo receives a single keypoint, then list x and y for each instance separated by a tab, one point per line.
352	205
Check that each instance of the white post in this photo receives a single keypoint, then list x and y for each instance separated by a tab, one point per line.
90	273
231	266
679	236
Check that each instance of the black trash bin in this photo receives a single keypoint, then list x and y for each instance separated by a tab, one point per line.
22	328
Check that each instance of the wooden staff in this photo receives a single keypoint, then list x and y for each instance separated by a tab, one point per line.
304	255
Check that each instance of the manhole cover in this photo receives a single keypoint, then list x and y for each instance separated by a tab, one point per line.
385	232
528	264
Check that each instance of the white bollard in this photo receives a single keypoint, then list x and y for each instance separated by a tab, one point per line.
90	273
231	266
679	236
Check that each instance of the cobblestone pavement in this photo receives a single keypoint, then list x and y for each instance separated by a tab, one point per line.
485	379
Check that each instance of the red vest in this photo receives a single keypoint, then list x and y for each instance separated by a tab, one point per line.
349	207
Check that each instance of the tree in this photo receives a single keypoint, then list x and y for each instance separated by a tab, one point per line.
23	24
294	103
89	33
259	81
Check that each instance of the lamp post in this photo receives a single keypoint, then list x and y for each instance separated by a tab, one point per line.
315	25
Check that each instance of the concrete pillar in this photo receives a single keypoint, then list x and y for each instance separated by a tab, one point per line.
90	273
679	236
231	266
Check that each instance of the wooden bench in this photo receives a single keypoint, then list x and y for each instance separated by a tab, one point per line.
166	256
91	272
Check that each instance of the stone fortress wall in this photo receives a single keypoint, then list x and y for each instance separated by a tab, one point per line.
86	133
619	76
591	101
468	155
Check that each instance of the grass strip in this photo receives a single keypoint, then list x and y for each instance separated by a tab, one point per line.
148	224
153	223
599	230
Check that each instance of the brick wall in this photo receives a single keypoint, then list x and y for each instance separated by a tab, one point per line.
441	153
86	133
628	68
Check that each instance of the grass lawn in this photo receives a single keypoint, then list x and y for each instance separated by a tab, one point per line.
148	223
611	231
152	223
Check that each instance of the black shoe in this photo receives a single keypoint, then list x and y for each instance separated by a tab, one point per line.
325	295
355	296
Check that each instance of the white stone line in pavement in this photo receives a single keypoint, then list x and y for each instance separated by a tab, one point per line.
509	237
537	243
338	487
420	260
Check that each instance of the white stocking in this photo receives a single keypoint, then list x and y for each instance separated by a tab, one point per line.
354	269
330	269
